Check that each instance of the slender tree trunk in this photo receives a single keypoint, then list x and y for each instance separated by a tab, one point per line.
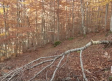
73	19
18	25
18	15
54	23
66	23
51	38
43	23
97	19
111	19
82	13
36	21
58	23
100	17
106	15
5	23
28	22
36	30
87	15
69	24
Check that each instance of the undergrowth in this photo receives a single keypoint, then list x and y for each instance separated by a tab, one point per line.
57	43
71	38
108	33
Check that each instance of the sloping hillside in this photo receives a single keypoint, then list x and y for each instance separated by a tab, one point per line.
97	60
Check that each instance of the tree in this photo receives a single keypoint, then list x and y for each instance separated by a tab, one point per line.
106	15
58	23
82	13
111	20
73	18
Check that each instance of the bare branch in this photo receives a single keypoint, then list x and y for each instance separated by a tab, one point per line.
67	59
81	62
57	68
43	69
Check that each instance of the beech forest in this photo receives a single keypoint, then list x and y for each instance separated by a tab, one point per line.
55	40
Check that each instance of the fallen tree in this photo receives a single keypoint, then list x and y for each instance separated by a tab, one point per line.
16	74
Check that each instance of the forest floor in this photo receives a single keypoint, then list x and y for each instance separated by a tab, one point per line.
97	59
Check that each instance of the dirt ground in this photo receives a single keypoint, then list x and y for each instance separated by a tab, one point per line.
97	60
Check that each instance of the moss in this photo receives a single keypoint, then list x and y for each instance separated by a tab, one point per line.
57	43
78	51
71	38
110	78
84	35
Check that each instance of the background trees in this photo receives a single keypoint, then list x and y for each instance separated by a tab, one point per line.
27	24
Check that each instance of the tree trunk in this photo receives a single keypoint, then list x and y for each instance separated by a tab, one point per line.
66	23
5	23
43	24
58	24
54	38
111	19
73	18
106	15
82	13
36	29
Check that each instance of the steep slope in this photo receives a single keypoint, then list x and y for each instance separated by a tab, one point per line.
97	59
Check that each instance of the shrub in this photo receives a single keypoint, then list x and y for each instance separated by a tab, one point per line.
71	38
57	43
110	78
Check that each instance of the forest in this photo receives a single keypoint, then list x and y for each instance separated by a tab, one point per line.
55	40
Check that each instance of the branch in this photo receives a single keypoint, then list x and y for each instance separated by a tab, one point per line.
43	69
57	68
81	62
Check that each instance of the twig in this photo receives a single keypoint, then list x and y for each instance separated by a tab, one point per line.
25	66
41	63
11	77
81	62
66	60
46	75
43	69
57	68
91	75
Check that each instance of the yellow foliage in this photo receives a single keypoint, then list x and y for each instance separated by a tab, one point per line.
3	34
99	3
26	2
1	10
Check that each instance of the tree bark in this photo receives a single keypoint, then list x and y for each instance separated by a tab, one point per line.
58	23
106	15
82	13
73	18
43	24
111	19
